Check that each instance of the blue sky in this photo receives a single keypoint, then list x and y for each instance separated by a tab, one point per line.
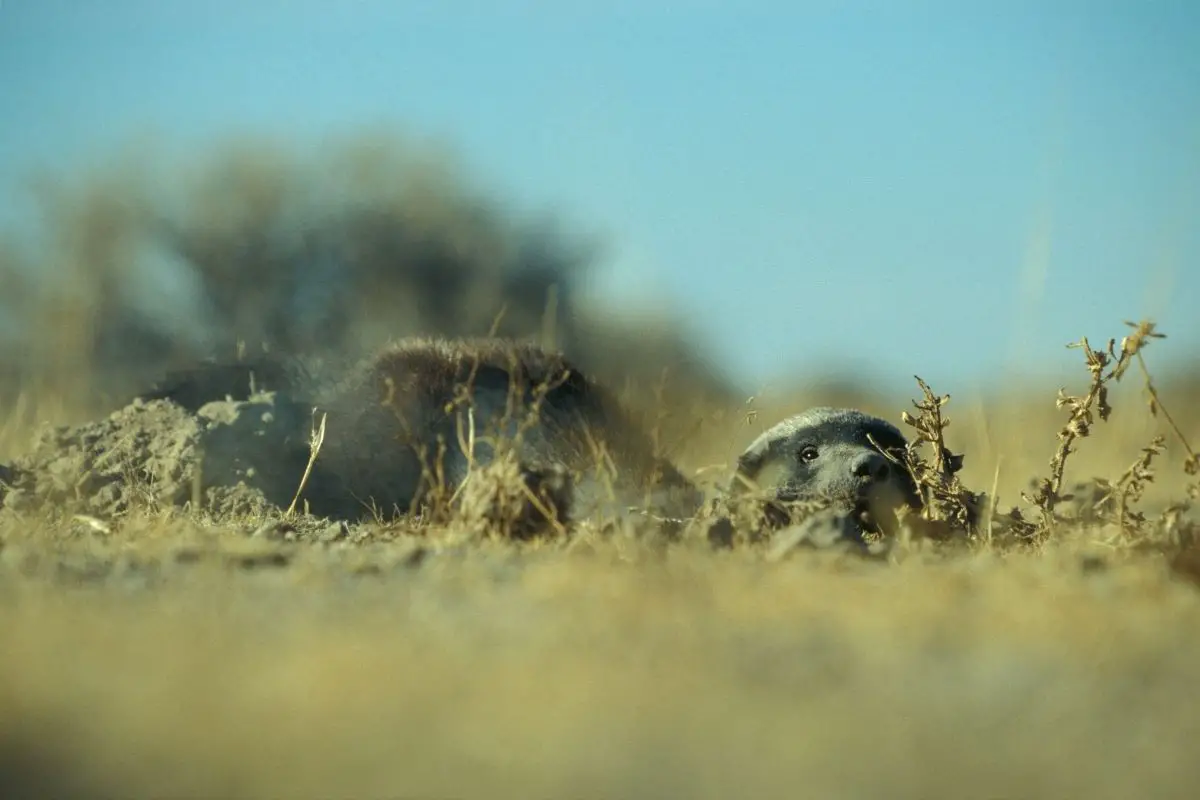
928	179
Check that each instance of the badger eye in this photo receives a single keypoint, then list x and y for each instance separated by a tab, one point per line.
808	453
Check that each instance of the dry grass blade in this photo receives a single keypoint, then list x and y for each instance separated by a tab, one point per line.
314	448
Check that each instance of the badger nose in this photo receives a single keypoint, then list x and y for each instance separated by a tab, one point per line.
872	466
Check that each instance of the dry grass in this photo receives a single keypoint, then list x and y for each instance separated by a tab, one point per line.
607	674
1051	658
1051	653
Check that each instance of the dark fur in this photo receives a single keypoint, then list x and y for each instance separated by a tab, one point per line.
394	417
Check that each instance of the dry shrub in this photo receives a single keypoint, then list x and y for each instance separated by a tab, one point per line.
508	501
146	265
952	509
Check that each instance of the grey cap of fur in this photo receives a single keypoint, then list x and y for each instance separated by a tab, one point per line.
844	436
849	419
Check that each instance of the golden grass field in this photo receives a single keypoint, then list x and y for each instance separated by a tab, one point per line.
162	654
166	656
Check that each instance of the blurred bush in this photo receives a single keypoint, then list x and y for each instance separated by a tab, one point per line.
140	266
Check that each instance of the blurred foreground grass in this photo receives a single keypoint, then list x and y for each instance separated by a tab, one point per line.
174	663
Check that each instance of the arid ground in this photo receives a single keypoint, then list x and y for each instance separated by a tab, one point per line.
162	636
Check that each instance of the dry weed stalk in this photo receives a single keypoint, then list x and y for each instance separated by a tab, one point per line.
316	439
946	503
1191	461
1171	517
1128	489
1105	366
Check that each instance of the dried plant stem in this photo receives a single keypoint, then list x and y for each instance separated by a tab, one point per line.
1049	493
314	447
1191	464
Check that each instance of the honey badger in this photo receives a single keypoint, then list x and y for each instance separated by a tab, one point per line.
393	417
830	452
402	421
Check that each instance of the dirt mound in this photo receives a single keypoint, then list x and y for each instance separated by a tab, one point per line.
229	458
232	461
